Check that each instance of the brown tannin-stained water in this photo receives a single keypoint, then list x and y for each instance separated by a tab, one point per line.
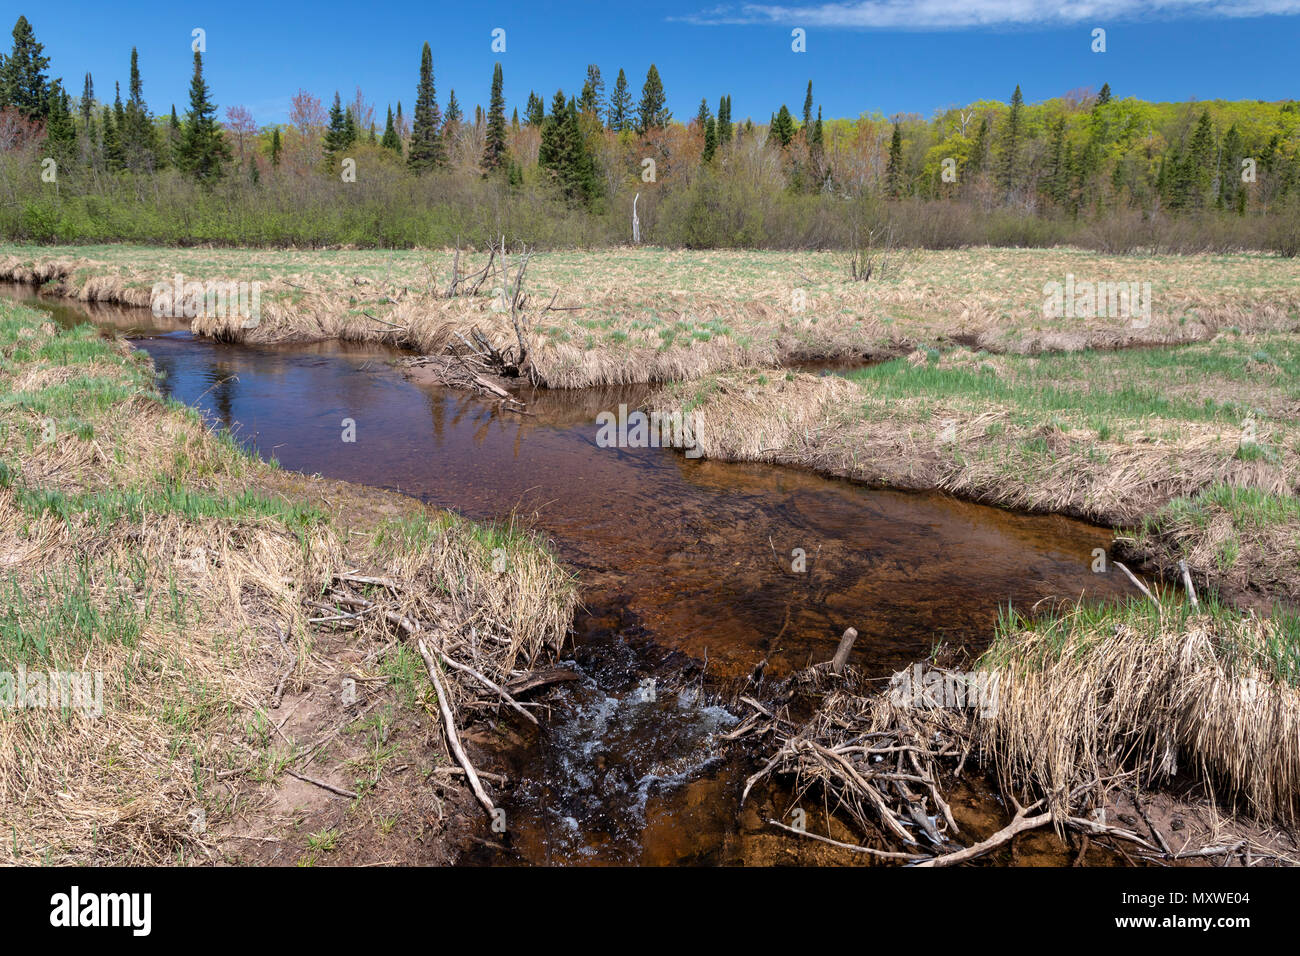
686	567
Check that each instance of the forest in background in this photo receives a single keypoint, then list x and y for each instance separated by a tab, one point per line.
1086	169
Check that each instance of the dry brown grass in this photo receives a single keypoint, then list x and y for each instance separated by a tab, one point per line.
650	315
1085	695
136	544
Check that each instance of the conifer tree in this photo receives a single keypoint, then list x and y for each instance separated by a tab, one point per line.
426	151
620	105
174	138
494	140
391	140
702	115
454	112
980	147
336	133
535	111
137	132
782	128
1058	181
1011	135
276	147
593	92
651	112
710	139
1104	96
807	106
724	121
60	131
894	171
203	151
112	154
23	84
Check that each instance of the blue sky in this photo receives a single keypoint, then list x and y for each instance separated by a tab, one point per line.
879	55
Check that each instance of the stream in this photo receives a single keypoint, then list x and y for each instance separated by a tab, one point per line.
687	569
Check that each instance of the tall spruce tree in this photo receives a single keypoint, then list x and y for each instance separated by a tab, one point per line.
782	128
651	111
391	140
563	152
619	115
710	139
1011	136
535	111
426	150
593	92
454	113
60	130
979	150
494	138
203	151
807	106
336	133
724	121
23	85
702	115
139	146
894	172
277	148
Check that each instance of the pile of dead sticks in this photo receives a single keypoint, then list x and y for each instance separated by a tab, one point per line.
470	668
880	765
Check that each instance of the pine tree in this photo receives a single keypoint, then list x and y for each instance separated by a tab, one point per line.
563	152
276	148
112	154
1198	175
710	139
979	150
514	119
60	131
391	140
620	105
336	133
89	134
22	79
535	111
87	100
703	114
894	171
1011	135
350	131
651	112
724	121
426	151
782	128
1232	192
1104	96
807	106
174	135
454	113
1058	182
494	141
137	132
203	150
593	91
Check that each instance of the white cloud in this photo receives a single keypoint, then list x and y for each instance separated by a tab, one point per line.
957	14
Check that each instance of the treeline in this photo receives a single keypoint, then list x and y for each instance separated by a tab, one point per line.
1087	169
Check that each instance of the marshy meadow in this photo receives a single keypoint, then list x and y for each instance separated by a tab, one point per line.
975	540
